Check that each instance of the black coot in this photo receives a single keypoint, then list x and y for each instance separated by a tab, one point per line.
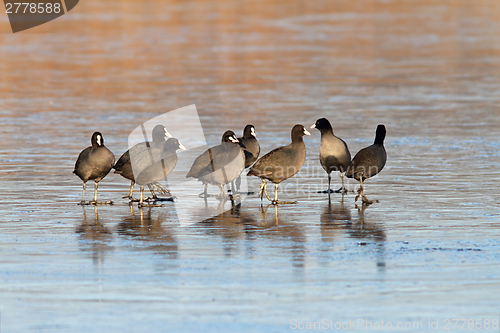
124	168
251	149
160	168
368	162
333	152
281	163
219	165
94	163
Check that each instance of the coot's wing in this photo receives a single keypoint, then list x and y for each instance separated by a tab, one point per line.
273	163
142	156
222	155
199	164
82	157
123	161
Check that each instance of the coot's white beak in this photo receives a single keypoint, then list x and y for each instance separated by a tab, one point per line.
252	131
181	146
167	135
99	141
313	126
233	139
306	132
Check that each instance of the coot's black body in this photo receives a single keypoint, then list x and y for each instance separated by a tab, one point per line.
160	168
142	154
94	163
368	162
252	147
333	152
221	164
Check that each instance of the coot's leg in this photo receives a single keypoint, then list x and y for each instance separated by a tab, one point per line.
329	190
238	184
141	200
366	201
360	189
96	185
342	190
153	195
83	193
329	183
276	202
204	194
131	192
222	195
263	189
95	202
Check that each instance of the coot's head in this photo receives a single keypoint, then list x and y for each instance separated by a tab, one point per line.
160	133
249	131
380	134
298	131
173	144
97	140
229	136
322	124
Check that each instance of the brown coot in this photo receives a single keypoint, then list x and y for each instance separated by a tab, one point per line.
281	163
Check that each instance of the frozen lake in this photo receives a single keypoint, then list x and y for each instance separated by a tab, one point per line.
427	253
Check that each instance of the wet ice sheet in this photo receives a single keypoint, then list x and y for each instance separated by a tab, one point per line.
319	263
428	250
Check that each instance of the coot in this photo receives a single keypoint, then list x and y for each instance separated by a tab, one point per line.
368	162
219	165
124	168
160	168
252	147
281	163
333	152
251	150
94	163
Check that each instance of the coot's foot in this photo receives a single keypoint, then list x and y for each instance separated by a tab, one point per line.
207	195
263	190
365	200
132	199
274	202
342	190
166	199
86	203
159	188
368	202
360	193
244	193
149	204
